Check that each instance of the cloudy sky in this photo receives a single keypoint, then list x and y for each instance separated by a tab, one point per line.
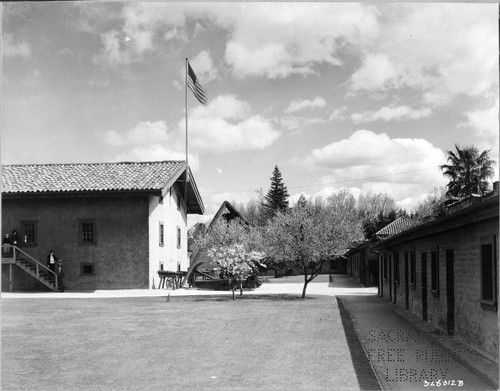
367	96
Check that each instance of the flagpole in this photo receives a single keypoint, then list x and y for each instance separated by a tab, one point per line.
187	161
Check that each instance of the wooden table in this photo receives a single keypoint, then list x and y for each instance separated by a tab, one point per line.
166	277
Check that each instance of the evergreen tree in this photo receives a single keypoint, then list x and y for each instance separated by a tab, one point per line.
276	198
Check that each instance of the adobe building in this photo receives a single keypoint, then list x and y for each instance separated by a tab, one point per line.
445	271
362	261
114	225
362	264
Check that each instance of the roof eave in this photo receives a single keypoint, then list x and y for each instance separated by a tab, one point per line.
193	208
478	212
24	194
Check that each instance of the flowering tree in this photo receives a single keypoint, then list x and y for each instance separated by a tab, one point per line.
233	246
236	263
311	233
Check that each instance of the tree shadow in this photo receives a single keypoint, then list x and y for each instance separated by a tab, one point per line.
364	371
278	297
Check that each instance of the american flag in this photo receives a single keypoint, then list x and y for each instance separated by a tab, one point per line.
195	86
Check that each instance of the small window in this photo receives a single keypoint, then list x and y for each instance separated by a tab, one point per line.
434	272
29	233
178	237
413	269
87	232
162	234
488	275
87	269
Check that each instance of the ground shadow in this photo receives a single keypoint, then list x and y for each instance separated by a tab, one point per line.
364	371
278	297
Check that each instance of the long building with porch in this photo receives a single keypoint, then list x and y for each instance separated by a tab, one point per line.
446	271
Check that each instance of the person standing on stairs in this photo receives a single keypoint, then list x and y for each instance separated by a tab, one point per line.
51	261
60	275
14	237
6	245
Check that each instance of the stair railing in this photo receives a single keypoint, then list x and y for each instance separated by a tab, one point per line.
39	266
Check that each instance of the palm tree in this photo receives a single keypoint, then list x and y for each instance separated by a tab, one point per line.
468	171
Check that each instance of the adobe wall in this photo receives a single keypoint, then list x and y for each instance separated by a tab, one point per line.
474	324
120	254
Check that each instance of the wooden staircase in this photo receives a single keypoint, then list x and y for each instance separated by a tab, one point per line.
30	265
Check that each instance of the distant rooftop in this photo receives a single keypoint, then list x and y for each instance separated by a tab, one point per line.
399	225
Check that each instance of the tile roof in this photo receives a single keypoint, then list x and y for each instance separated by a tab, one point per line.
399	225
41	178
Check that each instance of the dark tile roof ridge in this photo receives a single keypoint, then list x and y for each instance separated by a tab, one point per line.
401	223
94	163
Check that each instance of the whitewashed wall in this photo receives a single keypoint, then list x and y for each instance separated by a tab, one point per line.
173	215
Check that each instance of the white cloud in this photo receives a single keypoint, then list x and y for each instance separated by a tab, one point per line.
485	124
203	66
338	114
15	48
299	123
301	104
157	152
112	53
375	72
290	38
149	141
144	25
145	22
442	50
399	113
144	133
399	167
227	123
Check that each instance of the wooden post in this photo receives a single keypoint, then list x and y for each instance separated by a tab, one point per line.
10	277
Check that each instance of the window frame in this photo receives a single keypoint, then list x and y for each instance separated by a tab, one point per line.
86	264
161	234
490	304
24	235
81	223
179	237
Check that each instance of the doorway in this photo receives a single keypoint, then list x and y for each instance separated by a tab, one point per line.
450	293
424	286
